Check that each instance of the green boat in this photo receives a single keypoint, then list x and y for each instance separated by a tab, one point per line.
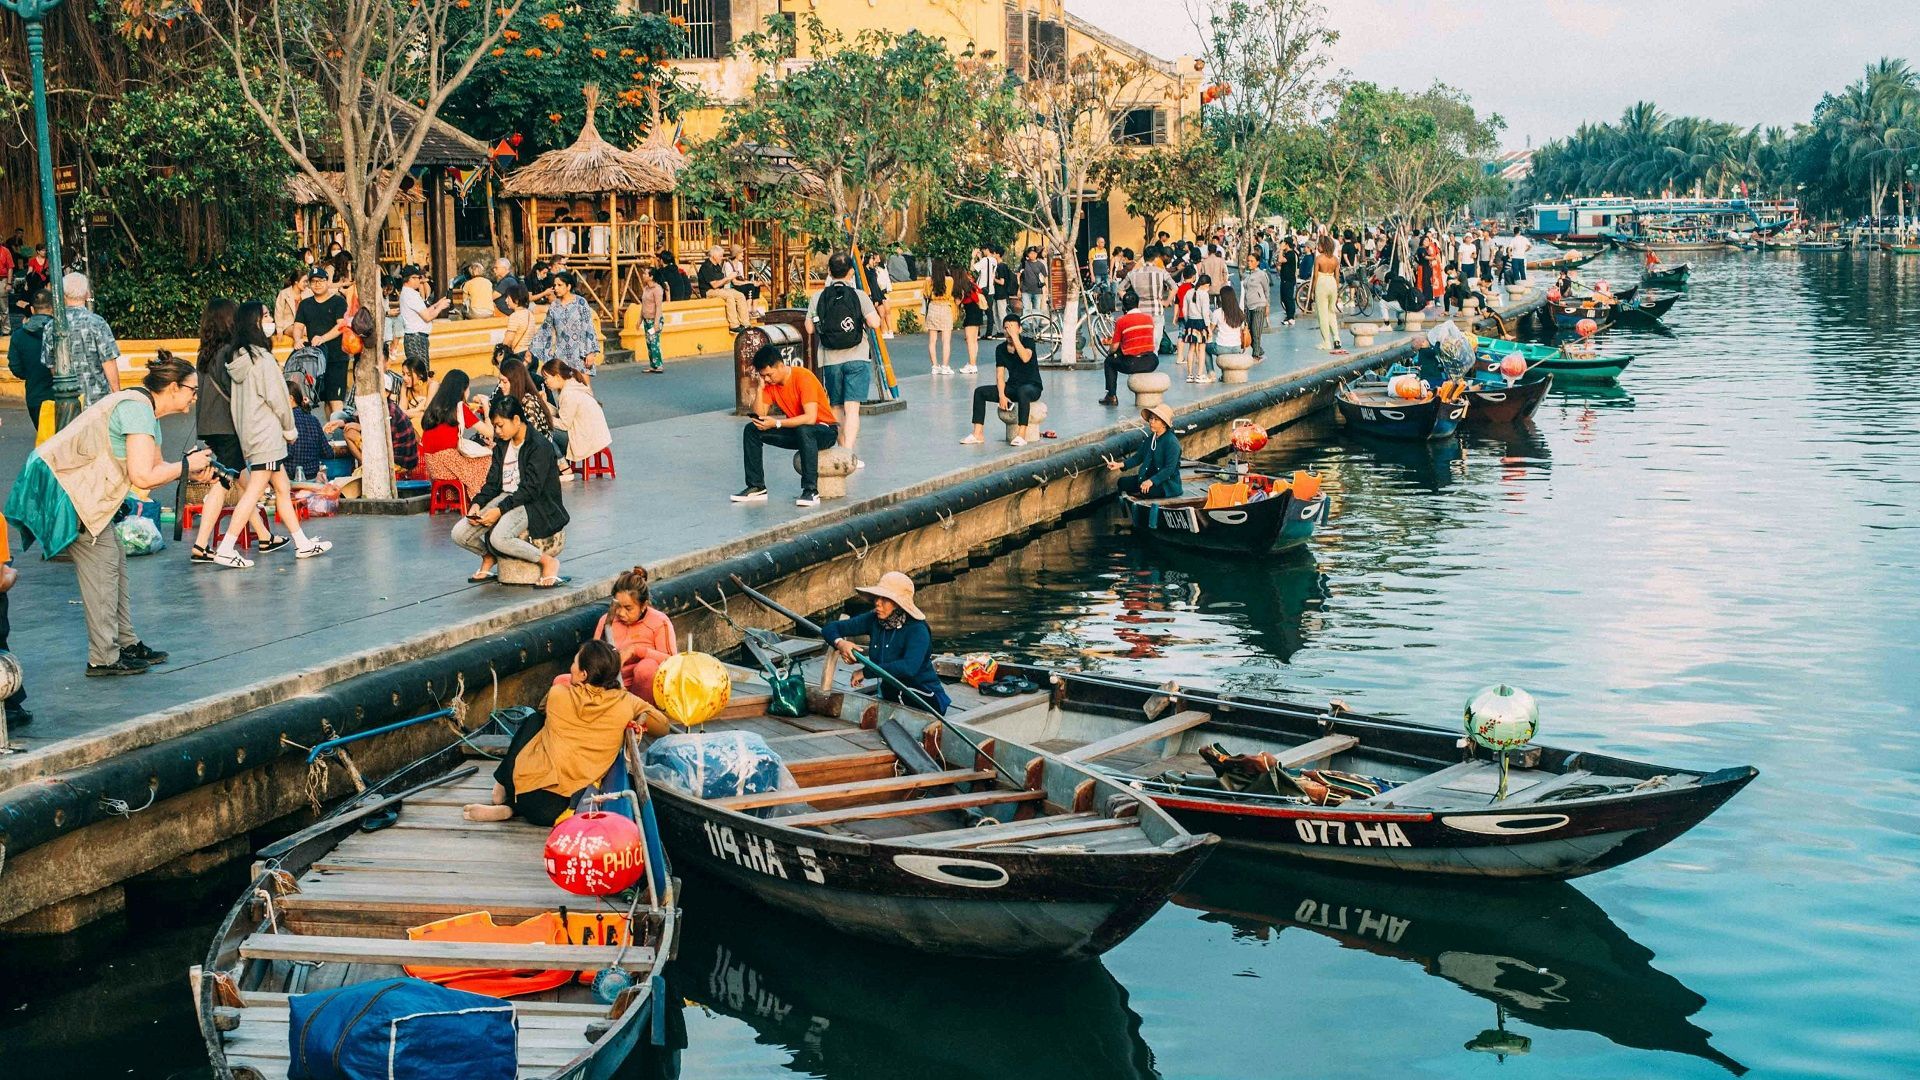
1563	367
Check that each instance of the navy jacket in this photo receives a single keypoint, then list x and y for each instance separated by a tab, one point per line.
906	654
1158	460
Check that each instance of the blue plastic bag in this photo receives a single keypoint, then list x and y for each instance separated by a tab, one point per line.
714	765
400	1029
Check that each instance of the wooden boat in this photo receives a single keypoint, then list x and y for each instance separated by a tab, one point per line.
1638	244
1492	400
999	851
331	904
1642	309
1369	408
1545	954
1242	513
1666	274
1566	813
1571	258
1903	249
1824	245
1564	368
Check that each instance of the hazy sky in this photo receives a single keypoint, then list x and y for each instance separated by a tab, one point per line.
1547	65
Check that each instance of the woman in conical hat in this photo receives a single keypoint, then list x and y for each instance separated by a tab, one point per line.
898	641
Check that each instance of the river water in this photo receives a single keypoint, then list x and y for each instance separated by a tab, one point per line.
1712	564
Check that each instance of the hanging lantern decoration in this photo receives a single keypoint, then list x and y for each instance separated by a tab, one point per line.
1586	328
1513	366
1502	718
692	688
1248	437
596	853
1407	387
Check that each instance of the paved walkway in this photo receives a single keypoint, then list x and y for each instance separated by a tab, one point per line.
395	588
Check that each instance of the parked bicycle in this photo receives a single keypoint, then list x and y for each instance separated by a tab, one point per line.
1043	332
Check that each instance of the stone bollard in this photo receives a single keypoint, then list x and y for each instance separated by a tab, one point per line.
1149	388
1413	320
836	464
1470	305
1518	288
1363	333
517	572
1036	415
1233	366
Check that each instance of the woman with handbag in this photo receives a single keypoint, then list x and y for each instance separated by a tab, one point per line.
263	420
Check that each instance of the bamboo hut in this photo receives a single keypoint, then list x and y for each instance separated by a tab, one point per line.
616	194
402	235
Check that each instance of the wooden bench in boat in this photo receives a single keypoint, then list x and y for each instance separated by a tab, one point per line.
1019	832
1138	736
357	950
1294	757
854	789
262	999
911	807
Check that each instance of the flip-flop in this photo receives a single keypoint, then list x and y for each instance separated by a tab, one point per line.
1049	434
483	576
552	582
382	820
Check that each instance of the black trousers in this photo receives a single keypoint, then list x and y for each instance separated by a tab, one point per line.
1118	365
1289	290
1130	485
540	807
1022	395
809	440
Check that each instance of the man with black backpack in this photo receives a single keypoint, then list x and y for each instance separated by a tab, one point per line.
840	315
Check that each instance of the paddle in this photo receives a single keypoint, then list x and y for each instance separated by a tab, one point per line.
803	623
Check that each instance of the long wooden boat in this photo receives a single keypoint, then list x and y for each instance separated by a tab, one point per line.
1903	249
1370	409
1636	244
330	906
1666	274
1566	812
1264	513
1000	851
1643	308
1597	368
1824	245
1546	954
1566	260
1493	401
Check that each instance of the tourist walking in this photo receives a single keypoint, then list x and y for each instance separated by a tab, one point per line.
27	355
213	423
1099	263
939	318
1033	283
577	413
1016	386
1196	322
841	316
1255	287
1517	250
986	269
1326	285
73	490
519	506
1150	283
568	334
1131	352
320	322
653	299
972	302
263	422
790	410
91	347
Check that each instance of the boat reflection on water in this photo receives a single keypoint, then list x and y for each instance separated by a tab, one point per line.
1428	465
1542	953
848	1009
1592	395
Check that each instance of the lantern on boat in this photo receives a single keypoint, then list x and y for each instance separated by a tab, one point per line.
1553	295
1513	366
1586	327
1247	436
979	669
1502	718
596	853
1407	387
1602	287
692	688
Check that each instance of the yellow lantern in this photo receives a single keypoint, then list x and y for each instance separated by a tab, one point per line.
692	688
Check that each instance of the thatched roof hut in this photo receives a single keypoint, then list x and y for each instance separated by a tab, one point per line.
304	192
591	166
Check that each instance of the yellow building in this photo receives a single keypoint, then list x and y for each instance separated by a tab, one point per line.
1025	35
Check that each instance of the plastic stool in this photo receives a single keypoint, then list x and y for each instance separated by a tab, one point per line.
190	518
600	464
447	494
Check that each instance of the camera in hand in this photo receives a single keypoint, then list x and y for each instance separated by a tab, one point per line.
226	476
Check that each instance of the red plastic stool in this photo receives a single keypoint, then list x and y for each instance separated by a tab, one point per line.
191	514
600	464
447	495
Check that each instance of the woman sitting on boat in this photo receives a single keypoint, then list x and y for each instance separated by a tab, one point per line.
570	745
1156	463
640	632
898	642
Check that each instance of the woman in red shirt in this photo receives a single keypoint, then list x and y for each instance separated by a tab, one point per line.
446	420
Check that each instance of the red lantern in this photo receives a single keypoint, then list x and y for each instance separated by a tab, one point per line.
1586	327
596	853
1513	366
1553	296
1248	437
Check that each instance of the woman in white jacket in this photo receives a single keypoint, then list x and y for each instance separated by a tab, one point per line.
263	422
576	412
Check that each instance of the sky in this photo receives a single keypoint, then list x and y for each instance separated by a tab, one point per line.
1547	65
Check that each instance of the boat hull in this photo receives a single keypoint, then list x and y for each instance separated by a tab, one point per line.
990	903
1666	276
1495	404
1254	528
1420	421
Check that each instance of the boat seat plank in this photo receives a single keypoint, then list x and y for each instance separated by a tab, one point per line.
835	768
440	953
268	1068
1019	832
910	807
1139	736
526	1007
1324	747
854	789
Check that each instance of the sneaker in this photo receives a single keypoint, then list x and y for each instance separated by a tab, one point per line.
858	464
750	494
122	666
569	475
809	497
272	544
970	369
1110	401
314	546
233	560
1017	440
972	440
141	652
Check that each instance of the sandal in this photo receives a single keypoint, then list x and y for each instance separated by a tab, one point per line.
479	576
201	554
273	542
552	581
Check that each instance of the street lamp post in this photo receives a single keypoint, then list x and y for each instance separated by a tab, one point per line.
66	382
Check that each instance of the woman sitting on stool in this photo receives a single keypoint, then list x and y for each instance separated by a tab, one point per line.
571	745
1016	378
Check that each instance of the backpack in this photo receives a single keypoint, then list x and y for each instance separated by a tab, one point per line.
842	324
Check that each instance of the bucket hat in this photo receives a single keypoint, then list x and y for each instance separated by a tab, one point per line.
1162	411
897	587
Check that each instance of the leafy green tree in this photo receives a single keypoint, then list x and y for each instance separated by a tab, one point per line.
528	83
1164	180
1427	143
951	229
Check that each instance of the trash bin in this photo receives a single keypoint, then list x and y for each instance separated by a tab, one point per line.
781	326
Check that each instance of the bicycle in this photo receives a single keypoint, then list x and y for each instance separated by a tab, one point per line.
1042	332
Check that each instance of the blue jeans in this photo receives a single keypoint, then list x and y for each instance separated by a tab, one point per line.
1030	302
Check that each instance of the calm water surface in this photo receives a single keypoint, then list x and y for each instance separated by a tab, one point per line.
1713	564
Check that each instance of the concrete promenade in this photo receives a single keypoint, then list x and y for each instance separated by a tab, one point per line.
394	588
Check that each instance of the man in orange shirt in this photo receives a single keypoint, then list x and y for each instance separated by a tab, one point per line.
792	411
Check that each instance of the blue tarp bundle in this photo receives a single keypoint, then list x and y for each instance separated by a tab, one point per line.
713	765
400	1029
